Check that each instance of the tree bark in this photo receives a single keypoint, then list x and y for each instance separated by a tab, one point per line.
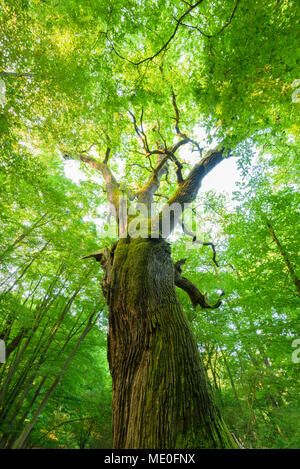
161	394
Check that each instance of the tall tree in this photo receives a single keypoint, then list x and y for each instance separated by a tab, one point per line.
138	78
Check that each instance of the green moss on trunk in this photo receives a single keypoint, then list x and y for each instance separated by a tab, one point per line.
161	394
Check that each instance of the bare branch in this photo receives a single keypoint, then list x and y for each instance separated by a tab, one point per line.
192	7
185	138
140	166
177	116
188	189
146	194
140	132
105	161
209	36
195	240
179	167
114	193
157	129
196	297
16	75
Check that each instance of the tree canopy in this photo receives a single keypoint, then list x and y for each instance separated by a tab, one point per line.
140	94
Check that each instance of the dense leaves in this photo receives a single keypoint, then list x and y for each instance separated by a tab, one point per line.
79	77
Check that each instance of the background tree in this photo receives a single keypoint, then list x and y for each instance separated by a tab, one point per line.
47	304
246	343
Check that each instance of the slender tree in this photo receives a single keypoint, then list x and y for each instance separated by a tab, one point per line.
119	74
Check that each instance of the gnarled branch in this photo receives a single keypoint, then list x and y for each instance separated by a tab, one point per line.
209	36
140	132
114	194
146	194
187	191
196	297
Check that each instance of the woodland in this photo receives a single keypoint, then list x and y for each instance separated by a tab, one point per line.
111	338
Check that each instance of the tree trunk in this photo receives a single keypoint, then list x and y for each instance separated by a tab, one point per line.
161	394
285	257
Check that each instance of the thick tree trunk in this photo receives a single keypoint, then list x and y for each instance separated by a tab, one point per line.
161	394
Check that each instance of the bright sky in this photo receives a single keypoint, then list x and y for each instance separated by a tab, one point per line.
221	179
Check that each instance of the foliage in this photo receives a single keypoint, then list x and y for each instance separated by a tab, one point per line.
48	295
72	71
247	342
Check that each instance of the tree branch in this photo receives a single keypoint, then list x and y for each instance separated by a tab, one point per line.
195	240
185	138
196	297
177	116
105	256
284	256
16	75
192	7
140	132
146	194
188	190
114	193
209	36
164	47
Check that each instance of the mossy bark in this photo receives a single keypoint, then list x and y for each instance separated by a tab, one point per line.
161	395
